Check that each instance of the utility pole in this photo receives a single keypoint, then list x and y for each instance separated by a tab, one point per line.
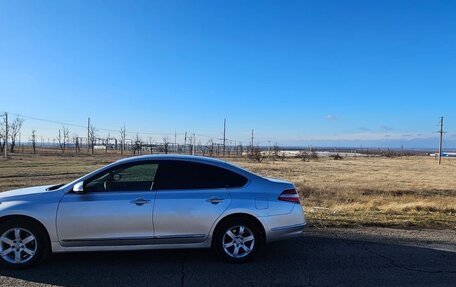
441	132
107	142
175	141
224	136
194	143
6	135
185	142
88	134
251	144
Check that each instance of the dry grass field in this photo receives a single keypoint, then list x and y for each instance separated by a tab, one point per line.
399	192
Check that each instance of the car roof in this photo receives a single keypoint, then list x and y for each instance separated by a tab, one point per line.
193	158
173	157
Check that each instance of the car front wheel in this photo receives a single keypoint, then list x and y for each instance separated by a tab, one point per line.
22	244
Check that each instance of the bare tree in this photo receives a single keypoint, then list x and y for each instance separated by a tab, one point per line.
165	144
190	144
77	143
3	133
205	149
210	145
314	155
257	154
107	145
92	137
337	156
151	144
240	150
66	137
2	142
33	141
305	156
138	145
275	152
63	138
15	129
123	136
60	140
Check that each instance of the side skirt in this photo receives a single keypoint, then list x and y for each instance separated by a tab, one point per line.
168	239
58	248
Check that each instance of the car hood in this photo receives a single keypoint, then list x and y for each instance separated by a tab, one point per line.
25	191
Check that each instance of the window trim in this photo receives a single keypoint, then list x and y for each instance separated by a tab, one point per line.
160	163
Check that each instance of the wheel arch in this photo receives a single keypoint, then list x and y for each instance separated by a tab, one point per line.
29	219
241	215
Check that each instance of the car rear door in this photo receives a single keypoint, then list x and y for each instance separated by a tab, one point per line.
190	197
116	209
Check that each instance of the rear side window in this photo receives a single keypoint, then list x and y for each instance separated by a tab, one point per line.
175	174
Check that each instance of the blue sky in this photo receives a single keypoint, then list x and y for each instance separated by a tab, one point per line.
335	73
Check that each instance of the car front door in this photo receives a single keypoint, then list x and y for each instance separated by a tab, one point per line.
190	197
115	209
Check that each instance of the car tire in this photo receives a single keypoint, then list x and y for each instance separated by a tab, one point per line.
237	240
22	244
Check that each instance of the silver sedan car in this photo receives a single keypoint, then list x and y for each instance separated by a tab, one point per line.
150	202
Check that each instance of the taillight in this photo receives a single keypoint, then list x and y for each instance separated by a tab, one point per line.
289	195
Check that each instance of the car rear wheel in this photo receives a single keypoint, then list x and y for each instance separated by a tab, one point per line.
237	240
22	244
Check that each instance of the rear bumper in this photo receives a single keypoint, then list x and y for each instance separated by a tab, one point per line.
285	226
286	232
290	228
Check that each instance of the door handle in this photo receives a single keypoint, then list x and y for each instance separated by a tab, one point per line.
140	201
214	200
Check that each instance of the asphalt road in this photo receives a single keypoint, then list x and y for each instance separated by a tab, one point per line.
321	258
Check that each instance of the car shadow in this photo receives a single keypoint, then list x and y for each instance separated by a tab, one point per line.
309	260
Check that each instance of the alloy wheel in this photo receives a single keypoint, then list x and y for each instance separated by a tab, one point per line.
18	245
238	241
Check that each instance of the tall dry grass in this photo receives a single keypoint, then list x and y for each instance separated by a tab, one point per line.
412	191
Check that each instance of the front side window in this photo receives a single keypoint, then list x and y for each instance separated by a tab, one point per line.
133	177
175	174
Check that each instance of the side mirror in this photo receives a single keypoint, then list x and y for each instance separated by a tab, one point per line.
79	187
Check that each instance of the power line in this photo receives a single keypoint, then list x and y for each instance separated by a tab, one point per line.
110	130
84	127
49	121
